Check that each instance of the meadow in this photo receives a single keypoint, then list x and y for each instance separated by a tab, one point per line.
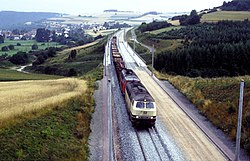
13	75
225	15
25	46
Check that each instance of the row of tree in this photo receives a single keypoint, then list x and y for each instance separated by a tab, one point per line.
75	37
236	5
153	26
209	50
191	19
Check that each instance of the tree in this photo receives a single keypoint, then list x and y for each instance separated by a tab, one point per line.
72	72
42	35
5	48
34	47
192	19
72	55
20	58
11	47
1	39
40	60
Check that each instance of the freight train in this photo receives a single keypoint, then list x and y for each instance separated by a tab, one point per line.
140	104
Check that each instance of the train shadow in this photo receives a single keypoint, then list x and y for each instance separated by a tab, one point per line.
142	126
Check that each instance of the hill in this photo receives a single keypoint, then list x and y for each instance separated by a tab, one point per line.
9	18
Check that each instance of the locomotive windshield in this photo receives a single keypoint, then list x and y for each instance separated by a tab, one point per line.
149	105
140	105
144	105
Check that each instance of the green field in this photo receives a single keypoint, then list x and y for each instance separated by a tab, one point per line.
155	32
25	46
225	15
12	75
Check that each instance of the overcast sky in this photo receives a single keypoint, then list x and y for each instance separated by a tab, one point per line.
97	6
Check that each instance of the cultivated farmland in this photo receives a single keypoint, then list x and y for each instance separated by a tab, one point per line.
225	15
25	46
20	97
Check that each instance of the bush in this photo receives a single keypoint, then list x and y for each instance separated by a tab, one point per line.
19	59
34	47
40	60
5	48
18	44
248	121
11	47
72	72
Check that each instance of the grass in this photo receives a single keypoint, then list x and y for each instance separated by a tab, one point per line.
12	75
25	46
156	32
217	99
160	44
225	15
21	97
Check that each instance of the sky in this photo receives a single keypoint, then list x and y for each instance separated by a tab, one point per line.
97	6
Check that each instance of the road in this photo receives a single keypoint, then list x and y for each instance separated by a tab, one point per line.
194	144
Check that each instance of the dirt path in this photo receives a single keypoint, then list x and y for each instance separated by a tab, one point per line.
80	47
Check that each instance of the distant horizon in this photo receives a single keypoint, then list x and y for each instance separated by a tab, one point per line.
78	7
90	13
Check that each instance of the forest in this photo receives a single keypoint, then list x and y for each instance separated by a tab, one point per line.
236	5
209	50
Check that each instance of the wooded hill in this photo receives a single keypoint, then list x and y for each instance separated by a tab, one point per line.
209	50
236	5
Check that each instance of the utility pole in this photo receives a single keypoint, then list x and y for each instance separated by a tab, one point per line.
124	35
152	51
134	47
237	150
105	63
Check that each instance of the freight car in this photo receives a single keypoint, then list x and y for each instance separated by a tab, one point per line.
127	75
140	104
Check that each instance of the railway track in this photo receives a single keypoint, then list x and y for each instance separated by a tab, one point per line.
152	145
205	151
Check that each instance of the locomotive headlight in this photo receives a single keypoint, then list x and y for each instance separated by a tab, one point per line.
137	117
152	117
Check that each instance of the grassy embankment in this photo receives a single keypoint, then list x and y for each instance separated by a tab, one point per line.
47	120
225	15
159	44
217	99
25	46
